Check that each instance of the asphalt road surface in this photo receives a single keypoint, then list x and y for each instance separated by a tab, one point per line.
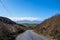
30	35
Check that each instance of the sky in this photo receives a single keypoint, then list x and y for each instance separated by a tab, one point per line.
29	9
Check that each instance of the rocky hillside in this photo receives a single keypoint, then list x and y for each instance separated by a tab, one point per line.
9	29
6	20
50	26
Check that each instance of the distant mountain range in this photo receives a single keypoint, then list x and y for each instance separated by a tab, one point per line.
28	21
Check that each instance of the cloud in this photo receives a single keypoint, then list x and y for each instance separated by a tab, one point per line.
25	18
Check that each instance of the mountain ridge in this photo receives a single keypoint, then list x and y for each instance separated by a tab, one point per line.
28	21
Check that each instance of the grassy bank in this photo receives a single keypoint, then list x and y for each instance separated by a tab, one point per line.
47	36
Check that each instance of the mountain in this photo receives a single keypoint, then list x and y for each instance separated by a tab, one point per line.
50	27
28	22
6	20
9	29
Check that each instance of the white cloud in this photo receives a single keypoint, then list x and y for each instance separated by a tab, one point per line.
25	18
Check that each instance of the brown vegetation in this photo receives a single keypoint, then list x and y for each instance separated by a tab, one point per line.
9	29
50	27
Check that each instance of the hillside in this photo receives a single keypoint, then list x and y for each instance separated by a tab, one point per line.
6	20
50	27
9	29
29	26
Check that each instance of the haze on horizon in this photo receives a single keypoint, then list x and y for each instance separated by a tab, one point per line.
29	9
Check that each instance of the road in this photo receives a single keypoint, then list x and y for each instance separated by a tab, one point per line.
30	35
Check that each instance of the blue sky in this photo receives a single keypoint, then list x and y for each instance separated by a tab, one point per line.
41	9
